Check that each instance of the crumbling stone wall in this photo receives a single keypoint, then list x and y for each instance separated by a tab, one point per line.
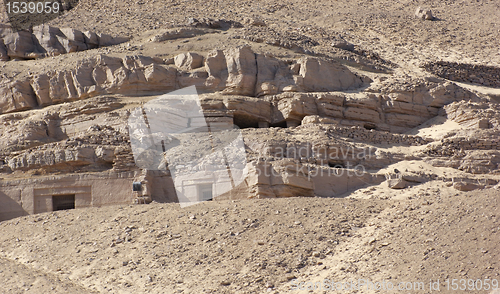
467	73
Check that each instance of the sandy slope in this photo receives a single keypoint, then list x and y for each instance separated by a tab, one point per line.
252	246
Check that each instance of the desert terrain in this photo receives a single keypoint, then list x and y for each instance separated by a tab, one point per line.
408	104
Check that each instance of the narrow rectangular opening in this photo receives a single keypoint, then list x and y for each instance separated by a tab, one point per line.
63	202
205	192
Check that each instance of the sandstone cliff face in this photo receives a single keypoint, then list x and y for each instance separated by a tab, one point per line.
46	41
251	90
292	90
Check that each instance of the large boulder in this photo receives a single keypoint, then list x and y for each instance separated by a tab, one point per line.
48	41
16	96
233	71
74	40
91	39
398	183
188	61
242	71
20	44
273	76
216	68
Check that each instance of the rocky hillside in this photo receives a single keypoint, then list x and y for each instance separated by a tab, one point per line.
376	123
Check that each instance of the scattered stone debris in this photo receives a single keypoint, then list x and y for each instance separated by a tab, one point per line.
222	24
467	73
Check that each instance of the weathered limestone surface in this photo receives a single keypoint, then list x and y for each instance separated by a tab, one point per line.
287	91
49	41
339	120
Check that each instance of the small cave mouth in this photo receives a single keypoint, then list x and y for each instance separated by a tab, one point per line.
336	164
245	122
278	125
370	126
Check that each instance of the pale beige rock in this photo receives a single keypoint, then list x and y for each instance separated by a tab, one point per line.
79	156
105	154
465	187
482	116
273	76
41	88
160	78
188	61
74	40
324	75
297	107
242	71
19	44
425	14
316	119
16	96
414	178
446	93
47	37
107	40
74	35
91	39
216	67
49	41
281	179
396	183
61	87
248	111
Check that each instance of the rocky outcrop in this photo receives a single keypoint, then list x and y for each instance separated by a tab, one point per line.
16	96
478	115
318	75
288	178
76	157
286	91
188	61
233	71
475	149
101	75
49	41
477	156
237	71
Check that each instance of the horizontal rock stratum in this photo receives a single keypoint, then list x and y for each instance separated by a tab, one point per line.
45	41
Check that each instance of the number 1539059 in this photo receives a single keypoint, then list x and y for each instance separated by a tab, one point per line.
471	284
32	7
